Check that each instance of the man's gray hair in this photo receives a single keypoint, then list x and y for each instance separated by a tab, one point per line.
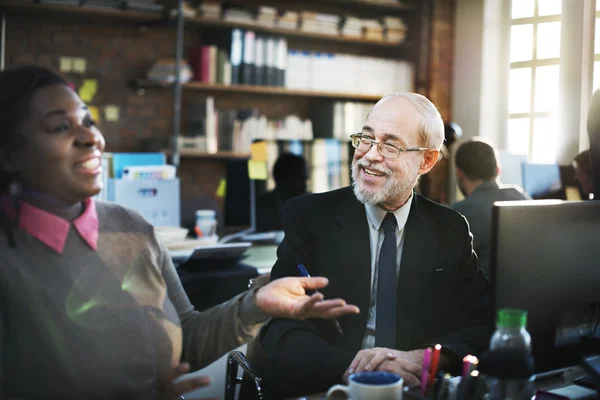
432	125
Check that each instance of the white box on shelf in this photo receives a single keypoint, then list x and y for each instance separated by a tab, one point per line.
157	200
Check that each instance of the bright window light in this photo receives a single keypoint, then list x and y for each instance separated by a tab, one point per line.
521	43
522	9
544	141
518	136
597	35
519	91
548	40
546	88
550	7
596	75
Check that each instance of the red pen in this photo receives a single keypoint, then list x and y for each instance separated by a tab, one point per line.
435	359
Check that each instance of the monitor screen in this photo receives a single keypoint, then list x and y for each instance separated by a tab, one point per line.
541	180
510	168
546	260
238	209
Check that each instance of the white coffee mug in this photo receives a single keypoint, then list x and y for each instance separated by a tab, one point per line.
370	385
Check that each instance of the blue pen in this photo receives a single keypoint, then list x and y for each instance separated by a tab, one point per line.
305	273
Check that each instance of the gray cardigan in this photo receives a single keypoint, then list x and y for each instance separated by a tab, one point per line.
108	323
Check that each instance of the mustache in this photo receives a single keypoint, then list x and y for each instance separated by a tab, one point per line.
375	167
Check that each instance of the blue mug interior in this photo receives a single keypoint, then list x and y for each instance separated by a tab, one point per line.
375	378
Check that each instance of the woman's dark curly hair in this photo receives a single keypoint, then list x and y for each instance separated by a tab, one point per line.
17	88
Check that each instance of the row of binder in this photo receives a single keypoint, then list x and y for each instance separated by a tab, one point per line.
246	58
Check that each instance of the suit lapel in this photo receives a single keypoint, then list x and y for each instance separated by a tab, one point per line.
418	256
351	237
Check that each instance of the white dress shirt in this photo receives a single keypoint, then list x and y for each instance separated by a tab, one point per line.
375	216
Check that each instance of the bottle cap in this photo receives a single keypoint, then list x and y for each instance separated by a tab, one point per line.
511	318
206	213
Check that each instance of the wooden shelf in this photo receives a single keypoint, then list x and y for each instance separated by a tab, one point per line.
193	153
375	4
31	8
291	33
255	89
276	91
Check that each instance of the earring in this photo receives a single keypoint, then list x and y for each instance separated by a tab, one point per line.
15	188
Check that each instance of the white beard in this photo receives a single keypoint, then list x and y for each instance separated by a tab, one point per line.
391	188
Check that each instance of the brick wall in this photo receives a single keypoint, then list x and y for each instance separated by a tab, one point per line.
116	53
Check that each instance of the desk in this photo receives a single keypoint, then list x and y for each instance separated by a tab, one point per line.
556	382
261	257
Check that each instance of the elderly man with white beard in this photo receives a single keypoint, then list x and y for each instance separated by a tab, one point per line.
405	261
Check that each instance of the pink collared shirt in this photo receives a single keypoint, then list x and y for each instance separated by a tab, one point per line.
51	229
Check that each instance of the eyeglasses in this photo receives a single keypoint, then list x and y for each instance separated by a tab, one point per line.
387	150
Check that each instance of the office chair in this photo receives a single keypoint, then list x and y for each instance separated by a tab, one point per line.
237	359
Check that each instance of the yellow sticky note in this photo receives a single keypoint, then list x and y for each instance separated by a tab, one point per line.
222	189
258	151
257	170
79	65
94	113
88	90
66	64
111	113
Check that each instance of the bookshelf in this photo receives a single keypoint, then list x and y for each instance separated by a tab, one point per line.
381	5
21	7
292	33
259	90
221	155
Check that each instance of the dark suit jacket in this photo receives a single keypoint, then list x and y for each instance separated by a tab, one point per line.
477	209
442	294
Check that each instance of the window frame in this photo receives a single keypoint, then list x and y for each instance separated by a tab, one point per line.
533	63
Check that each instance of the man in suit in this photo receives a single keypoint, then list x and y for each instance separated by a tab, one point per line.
477	173
405	261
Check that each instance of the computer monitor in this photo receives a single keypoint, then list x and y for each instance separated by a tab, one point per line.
511	168
541	180
546	260
240	195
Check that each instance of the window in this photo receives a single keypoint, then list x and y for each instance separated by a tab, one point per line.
596	78
533	79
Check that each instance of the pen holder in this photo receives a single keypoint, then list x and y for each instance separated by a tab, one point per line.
455	388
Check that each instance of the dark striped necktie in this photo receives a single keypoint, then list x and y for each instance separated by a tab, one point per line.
387	282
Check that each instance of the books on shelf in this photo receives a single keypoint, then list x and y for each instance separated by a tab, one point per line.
288	20
337	119
338	73
313	22
266	16
210	9
163	71
352	27
241	57
238	15
245	58
215	130
395	29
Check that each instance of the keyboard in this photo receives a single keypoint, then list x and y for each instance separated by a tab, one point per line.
585	381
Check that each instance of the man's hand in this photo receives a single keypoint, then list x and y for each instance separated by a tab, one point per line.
406	364
287	298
